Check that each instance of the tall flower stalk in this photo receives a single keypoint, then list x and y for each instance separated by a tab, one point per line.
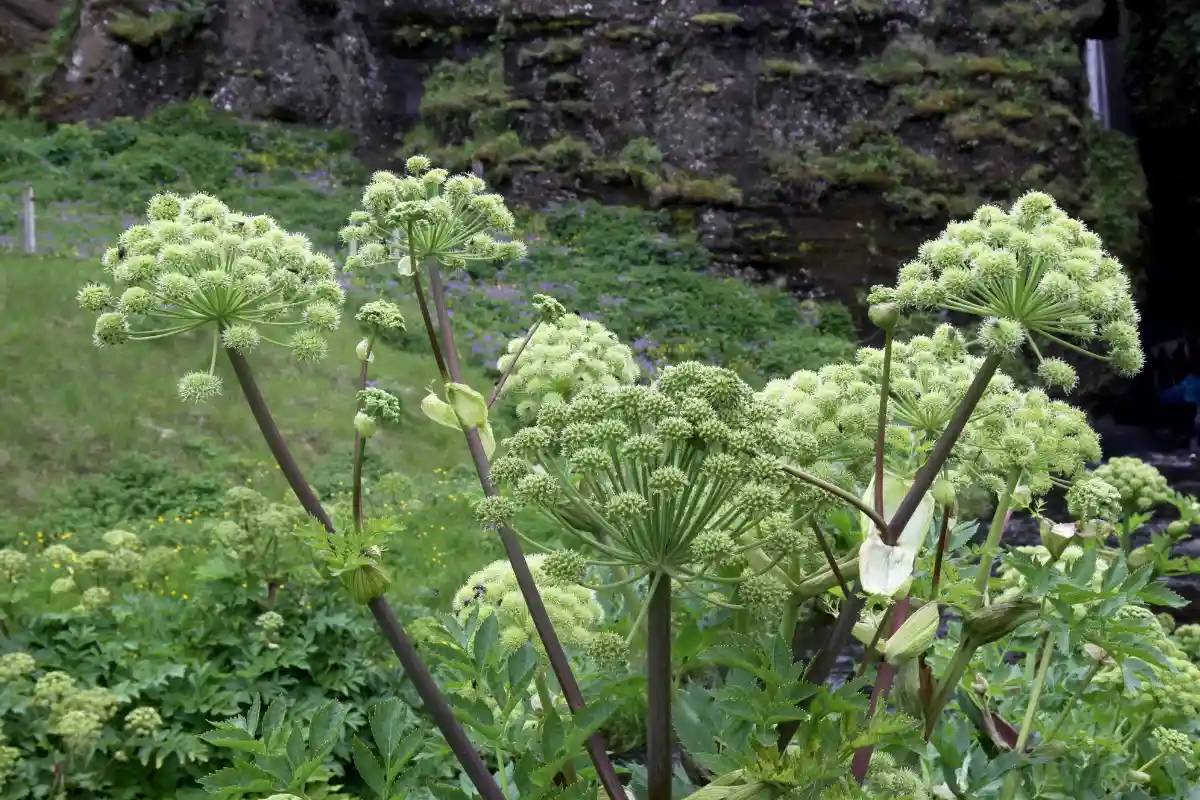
423	222
197	265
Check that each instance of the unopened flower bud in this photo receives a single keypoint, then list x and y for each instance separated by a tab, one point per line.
986	625
944	494
915	635
1138	777
365	424
1096	653
979	685
884	315
363	351
365	583
1058	537
404	267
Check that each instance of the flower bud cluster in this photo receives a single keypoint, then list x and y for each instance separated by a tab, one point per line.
1032	270
1030	433
1172	694
77	715
15	666
1187	639
144	720
195	263
651	470
1140	485
563	357
886	778
429	214
572	608
13	564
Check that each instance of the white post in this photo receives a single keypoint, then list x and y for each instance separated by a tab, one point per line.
30	224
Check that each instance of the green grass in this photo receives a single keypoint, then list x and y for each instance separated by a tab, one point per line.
69	408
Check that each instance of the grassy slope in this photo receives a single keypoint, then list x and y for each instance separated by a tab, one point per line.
69	408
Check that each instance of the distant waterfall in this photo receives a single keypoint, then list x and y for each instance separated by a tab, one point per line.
1097	75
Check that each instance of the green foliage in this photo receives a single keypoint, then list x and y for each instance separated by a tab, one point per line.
158	31
654	291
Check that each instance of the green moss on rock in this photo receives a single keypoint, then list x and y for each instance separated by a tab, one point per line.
160	30
718	19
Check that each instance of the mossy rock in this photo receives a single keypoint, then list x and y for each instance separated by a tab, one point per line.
555	51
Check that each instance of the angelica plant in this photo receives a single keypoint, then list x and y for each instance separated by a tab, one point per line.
424	222
197	264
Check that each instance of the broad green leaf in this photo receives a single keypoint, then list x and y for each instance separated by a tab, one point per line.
387	723
296	749
368	767
326	728
485	640
273	718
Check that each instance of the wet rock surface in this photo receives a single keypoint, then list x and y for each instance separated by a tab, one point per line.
816	142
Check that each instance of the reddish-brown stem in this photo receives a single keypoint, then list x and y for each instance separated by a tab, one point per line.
943	536
879	693
559	664
833	565
658	690
512	364
385	618
430	330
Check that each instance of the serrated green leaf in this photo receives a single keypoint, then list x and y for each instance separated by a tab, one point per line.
521	666
387	723
368	767
326	728
252	716
242	776
1159	594
273	719
234	740
296	749
553	734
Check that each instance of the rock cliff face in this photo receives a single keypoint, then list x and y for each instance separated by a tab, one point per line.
817	140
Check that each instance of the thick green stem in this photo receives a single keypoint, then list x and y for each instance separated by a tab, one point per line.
658	691
791	613
360	443
1075	697
1012	781
597	750
987	555
385	618
881	433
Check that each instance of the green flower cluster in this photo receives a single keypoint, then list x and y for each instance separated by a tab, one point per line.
144	720
198	263
429	214
563	357
77	715
638	473
1140	485
573	608
15	666
1187	639
10	758
835	413
1028	432
13	564
1030	271
1173	694
888	779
